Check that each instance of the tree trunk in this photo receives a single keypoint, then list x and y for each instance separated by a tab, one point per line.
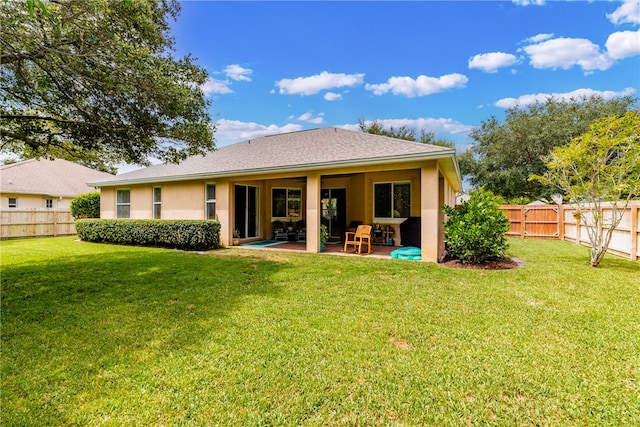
601	235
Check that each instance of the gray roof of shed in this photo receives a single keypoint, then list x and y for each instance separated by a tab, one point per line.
48	177
304	150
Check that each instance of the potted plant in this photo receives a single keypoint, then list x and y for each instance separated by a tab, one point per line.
324	235
236	237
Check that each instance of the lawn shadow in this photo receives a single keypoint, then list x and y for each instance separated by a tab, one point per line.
109	313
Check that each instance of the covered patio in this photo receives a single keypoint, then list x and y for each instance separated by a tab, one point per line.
379	251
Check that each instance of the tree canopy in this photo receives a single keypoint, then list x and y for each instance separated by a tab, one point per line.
600	166
96	81
426	137
505	154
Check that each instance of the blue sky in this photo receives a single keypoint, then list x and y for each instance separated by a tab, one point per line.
443	66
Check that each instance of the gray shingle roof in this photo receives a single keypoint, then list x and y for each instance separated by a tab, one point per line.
48	177
317	148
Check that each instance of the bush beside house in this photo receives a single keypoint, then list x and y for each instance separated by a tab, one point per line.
191	235
86	205
476	230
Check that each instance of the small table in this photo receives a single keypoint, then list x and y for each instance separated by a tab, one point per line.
388	235
292	236
384	238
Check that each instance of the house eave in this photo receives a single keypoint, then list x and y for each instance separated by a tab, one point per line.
441	154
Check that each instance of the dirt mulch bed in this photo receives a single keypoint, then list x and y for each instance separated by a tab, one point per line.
500	264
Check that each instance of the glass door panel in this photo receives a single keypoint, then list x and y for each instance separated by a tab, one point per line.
333	210
246	211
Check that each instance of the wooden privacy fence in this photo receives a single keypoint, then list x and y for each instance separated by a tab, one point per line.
35	223
560	222
533	221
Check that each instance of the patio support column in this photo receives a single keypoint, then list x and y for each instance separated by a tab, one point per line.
429	215
313	212
223	212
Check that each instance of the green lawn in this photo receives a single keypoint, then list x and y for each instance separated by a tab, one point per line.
97	334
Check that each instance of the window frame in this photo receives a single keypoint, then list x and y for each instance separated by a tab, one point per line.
292	203
210	202
48	203
392	209
123	204
13	205
157	203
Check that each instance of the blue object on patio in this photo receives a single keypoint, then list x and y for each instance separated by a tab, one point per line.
408	252
264	243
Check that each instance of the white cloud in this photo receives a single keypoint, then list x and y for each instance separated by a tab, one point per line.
566	52
628	13
213	86
331	96
421	86
528	99
314	84
236	72
229	131
221	87
429	124
623	44
539	38
491	62
308	117
528	2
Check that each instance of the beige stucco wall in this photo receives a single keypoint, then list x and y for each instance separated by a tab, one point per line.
186	200
108	202
180	200
34	201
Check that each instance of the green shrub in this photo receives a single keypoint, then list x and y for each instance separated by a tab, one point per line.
86	205
475	231
191	235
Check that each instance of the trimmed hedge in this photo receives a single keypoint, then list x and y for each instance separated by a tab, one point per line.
190	235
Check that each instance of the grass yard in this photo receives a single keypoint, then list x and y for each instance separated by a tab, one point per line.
96	334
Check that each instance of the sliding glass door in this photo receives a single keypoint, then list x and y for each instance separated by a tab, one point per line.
334	210
246	211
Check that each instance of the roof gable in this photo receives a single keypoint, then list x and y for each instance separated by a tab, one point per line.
48	177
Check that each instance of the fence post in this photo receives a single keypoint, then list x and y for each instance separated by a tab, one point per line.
634	232
561	222
578	227
522	221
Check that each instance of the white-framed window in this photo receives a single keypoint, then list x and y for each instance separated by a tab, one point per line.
286	202
392	200
48	203
210	201
13	202
157	202
123	203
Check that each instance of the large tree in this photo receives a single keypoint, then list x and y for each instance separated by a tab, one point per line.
97	81
597	169
426	137
506	153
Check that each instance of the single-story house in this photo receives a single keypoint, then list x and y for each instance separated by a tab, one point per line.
328	176
45	184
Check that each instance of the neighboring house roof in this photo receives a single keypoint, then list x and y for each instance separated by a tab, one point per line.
318	149
57	178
